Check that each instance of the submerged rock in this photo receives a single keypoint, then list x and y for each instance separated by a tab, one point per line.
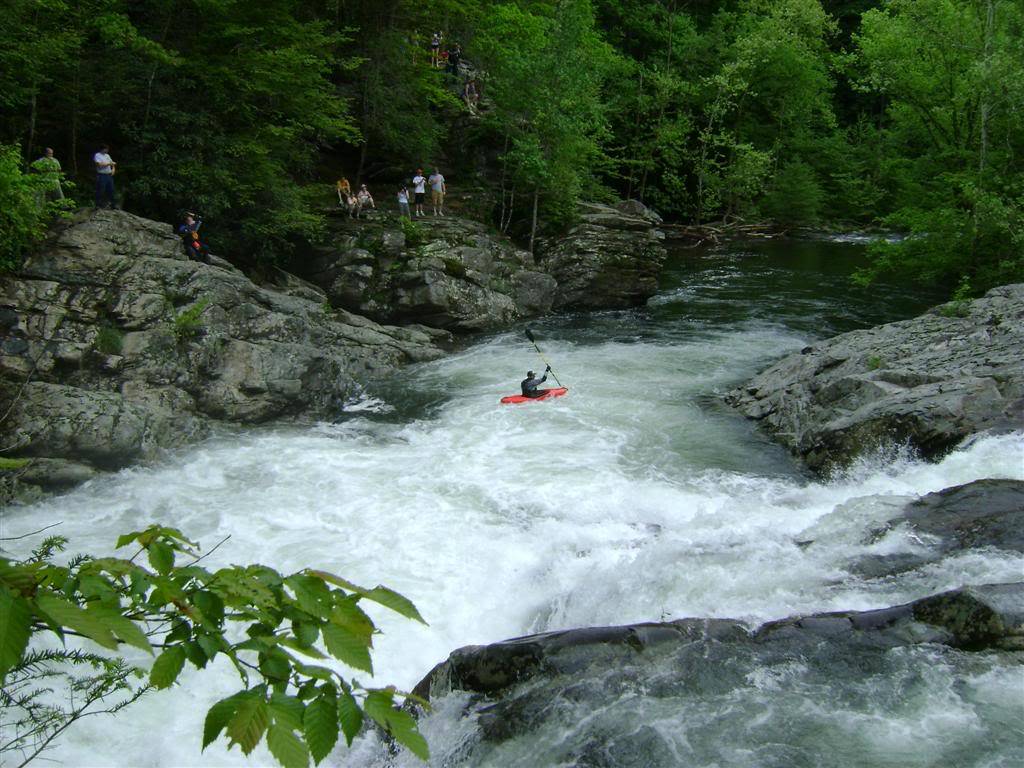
929	382
662	694
115	347
981	514
610	260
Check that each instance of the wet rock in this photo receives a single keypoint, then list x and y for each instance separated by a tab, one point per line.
611	259
594	696
984	513
115	347
929	382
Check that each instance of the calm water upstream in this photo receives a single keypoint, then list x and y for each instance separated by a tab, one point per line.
637	497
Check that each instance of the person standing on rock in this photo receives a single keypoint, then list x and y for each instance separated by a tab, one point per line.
48	167
105	168
531	382
195	249
437	192
419	186
403	202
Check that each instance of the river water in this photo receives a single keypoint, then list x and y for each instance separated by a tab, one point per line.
637	497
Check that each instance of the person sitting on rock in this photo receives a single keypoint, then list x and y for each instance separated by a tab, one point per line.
365	199
531	382
195	249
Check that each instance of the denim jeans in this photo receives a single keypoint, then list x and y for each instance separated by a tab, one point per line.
104	189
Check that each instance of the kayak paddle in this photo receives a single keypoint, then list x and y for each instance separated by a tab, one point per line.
529	335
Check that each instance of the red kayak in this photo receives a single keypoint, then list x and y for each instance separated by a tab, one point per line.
545	394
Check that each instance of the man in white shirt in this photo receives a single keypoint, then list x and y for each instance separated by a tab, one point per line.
104	176
437	192
420	189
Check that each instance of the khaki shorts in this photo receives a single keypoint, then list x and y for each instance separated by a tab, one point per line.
436	198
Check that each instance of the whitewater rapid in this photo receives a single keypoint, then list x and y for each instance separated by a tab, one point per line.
637	497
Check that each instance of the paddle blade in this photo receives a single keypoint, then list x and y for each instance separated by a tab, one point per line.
529	335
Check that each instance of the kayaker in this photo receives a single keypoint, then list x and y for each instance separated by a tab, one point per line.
531	382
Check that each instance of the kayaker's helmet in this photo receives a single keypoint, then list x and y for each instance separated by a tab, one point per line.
529	374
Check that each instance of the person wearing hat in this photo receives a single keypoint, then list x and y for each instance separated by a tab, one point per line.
420	189
531	382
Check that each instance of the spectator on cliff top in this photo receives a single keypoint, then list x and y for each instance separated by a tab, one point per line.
195	248
105	168
435	49
419	186
344	190
454	57
48	167
437	192
403	202
363	199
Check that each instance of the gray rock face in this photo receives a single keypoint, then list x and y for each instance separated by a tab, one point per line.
615	696
610	260
930	382
114	347
447	272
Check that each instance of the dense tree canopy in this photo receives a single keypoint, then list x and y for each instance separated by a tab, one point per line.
900	113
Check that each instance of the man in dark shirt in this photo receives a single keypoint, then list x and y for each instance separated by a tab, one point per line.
531	382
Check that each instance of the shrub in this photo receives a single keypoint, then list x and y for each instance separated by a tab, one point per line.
186	324
24	214
108	341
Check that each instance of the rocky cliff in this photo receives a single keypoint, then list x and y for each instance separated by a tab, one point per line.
929	382
611	259
115	346
454	273
447	272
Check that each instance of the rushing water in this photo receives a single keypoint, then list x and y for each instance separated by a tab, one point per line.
637	497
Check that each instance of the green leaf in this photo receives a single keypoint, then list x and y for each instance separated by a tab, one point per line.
347	647
350	616
161	557
400	724
287	747
218	717
128	631
275	666
306	632
350	716
287	710
249	722
167	667
320	725
66	614
396	602
15	629
127	538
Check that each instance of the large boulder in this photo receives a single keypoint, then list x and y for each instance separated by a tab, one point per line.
113	347
447	272
610	259
929	382
662	694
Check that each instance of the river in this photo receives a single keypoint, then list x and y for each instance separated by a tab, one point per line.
636	497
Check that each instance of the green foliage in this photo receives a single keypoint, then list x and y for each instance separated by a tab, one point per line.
874	362
9	465
183	613
24	212
795	197
186	323
108	341
415	234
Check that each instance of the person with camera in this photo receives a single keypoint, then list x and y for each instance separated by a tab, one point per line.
195	249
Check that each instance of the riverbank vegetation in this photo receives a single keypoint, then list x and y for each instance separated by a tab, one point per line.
904	114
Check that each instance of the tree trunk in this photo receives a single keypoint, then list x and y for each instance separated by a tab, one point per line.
31	123
533	224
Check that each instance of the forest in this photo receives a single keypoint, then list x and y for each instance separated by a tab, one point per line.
903	115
